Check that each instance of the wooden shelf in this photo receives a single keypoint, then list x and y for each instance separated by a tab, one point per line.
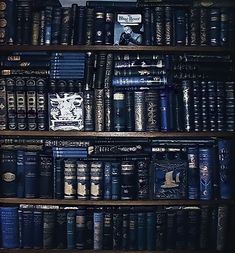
97	48
97	251
117	134
76	202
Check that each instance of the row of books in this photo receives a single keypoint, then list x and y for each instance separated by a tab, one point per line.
179	170
97	24
161	228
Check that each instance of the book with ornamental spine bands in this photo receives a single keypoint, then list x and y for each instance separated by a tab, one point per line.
66	111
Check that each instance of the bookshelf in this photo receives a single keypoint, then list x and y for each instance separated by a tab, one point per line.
210	50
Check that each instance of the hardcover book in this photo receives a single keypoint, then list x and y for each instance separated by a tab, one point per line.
128	29
66	111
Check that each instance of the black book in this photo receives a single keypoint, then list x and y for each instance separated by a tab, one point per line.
80	228
181	228
108	229
204	27
80	27
128	180
168	26
3	102
215	23
125	231
161	230
31	104
65	26
171	230
49	228
109	28
61	229
147	26
99	27
133	226
204	227
89	229
194	24
21	103
89	26
180	26
19	24
205	106
119	104
27	22
42	28
55	26
35	28
74	23
27	228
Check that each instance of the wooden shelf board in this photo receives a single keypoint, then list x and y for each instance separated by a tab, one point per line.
85	48
115	134
159	202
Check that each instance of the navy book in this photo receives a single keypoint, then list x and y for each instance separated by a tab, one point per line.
27	228
20	173
61	229
107	180
49	228
141	231
80	228
71	229
108	229
116	180
150	230
37	229
98	230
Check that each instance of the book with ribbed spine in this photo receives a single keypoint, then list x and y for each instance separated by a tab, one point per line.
119	120
197	107
194	22
142	179
96	181
204	26
125	230
160	25
42	28
31	104
205	106
8	170
171	229
99	26
27	228
220	106
164	110
181	228
70	179
108	229
90	13
83	180
128	181
20	173
74	23
71	229
214	24
9	227
65	26
98	230
21	103
230	105
80	228
139	110
19	24
109	28
3	103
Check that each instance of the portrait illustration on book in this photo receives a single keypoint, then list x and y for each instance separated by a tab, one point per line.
128	29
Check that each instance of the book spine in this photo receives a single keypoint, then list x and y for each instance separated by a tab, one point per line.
20	173
81	25
37	229
80	229
41	104
139	110
194	26
27	228
147	26
98	230
117	226
211	85
49	226
61	229
171	230
127	180
83	180
21	104
116	180
99	110
205	167
11	104
70	179
89	229
96	191
129	111
48	25
152	109
204	227
193	229
108	230
197	106
58	179
27	20
225	168
71	229
141	234
164	109
214	24
31	104
8	173
20	225
42	28
46	175
31	174
230	106
74	22
205	106
55	26
213	224
65	26
109	28
181	228
133	228
9	226
150	231
88	110
35	28
224	27
4	19
3	102
107	180
160	25
125	231
204	26
180	27
119	111
168	26
142	179
19	25
161	230
193	173
231	21
90	13
99	26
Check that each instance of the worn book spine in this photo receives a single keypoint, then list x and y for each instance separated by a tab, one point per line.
130	117
108	229
204	227
133	226
194	24
147	26
220	106
142	179
161	230
168	26
224	27
90	13
58	179
150	230
83	180
230	106
119	120
204	27
3	102
99	110
181	228
19	24
65	26
128	181
74	23
171	230
160	25
205	106
141	234
55	26
48	24
70	179
107	180
31	104
89	110
193	228
71	229
42	28
125	231
21	104
164	110
96	191
214	26
99	26
197	106
211	88
80	228
98	230
37	229
61	229
35	28
139	110
27	22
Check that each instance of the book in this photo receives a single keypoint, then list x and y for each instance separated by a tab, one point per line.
70	179
98	230
83	180
3	102
27	228
71	229
128	29
80	228
108	229
49	226
128	180
37	228
96	181
20	167
66	111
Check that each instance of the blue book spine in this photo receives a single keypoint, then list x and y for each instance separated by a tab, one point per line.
161	230
222	227
119	105
80	229
71	229
108	229
181	217
20	174
225	168
180	27
58	178
61	229
133	231
215	26
98	230
125	231
48	19
107	180
31	174
193	239
150	231
37	229
70	179
9	227
168	26
117	226
206	168
27	228
171	230
224	27
8	173
96	180
20	225
49	228
141	231
164	109
116	180
193	173
83	180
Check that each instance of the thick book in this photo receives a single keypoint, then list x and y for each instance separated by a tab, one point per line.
27	228
8	170
108	229
83	180
133	229
150	230
96	180
3	102
99	21
128	29
37	228
66	111
70	179
116	180
49	228
61	229
141	228
20	167
55	26
31	104
98	230
71	229
80	228
139	110
180	26
119	119
108	180
143	173
65	26
128	180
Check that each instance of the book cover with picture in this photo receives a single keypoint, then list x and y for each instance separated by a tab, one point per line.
128	29
66	111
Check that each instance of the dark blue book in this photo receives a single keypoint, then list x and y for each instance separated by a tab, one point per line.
8	170
20	173
168	26
142	179
98	230
20	225
171	230
164	110
193	173
70	179
45	175
81	25
89	228
181	228
108	229
215	26
71	229
128	180
61	229
193	26
147	26
119	118
58	179
80	228
117	229
37	229
204	227
159	25
139	110
125	231
213	224
49	228
224	27
161	230
96	191
31	174
107	180
133	230
204	26
9	227
180	26
150	230
116	180
225	168
141	231
27	228
206	170
83	180
129	115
